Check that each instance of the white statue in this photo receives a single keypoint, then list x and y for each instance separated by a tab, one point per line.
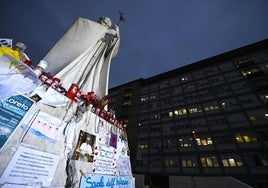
87	47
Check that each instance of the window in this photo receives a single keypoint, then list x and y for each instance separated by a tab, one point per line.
215	80
185	78
188	87
168	128
197	109
144	98
226	66
171	161
163	84
182	125
168	143
219	91
256	159
216	121
205	94
229	104
245	138
142	145
188	161
240	87
223	139
211	106
231	160
153	87
155	144
198	74
238	119
202	84
244	62
185	142
211	70
209	161
249	100
203	141
264	98
251	71
180	112
258	116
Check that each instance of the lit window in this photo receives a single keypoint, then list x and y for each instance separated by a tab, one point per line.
203	161
239	139
246	138
198	141
209	141
204	142
254	139
209	161
232	162
189	163
225	163
252	118
170	114
183	162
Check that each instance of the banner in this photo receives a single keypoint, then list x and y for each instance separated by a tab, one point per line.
15	77
106	181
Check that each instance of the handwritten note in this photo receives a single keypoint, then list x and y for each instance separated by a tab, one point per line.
104	160
106	181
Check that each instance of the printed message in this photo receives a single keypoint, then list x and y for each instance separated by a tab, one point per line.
29	165
12	112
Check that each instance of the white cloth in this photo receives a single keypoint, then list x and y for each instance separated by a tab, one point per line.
85	152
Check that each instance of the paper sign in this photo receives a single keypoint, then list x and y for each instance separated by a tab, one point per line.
45	126
29	165
106	181
12	111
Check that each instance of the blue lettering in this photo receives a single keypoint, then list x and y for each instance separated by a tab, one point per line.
111	183
95	184
20	102
121	182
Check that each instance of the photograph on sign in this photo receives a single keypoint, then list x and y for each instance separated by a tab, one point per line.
84	149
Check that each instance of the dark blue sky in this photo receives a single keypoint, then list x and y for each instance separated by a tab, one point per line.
157	36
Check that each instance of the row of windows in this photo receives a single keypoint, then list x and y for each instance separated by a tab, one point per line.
245	101
189	141
207	92
226	160
228	69
220	121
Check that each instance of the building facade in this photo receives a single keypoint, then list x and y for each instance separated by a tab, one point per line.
209	118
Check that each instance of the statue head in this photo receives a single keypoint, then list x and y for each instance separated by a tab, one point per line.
105	21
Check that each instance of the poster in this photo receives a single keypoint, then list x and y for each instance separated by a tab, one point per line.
106	181
30	166
45	126
12	111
